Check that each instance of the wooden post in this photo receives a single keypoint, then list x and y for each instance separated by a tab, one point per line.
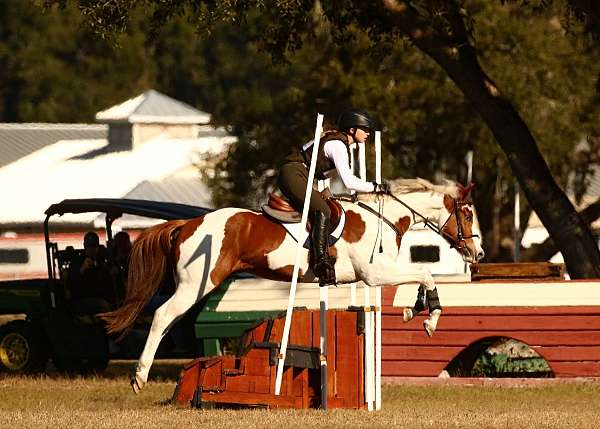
299	251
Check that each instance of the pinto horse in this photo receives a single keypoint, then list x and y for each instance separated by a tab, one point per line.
201	253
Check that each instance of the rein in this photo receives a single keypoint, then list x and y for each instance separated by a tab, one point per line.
454	243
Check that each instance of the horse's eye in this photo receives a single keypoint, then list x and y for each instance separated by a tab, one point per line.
469	218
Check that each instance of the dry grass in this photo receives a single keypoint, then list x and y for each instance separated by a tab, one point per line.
106	402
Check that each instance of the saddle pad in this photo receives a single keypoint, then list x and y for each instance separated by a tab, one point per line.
294	230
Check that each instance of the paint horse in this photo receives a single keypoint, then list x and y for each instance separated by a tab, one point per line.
201	253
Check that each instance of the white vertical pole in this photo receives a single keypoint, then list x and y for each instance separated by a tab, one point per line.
378	291
369	321
352	167
369	348
469	161
517	229
324	306
362	159
299	253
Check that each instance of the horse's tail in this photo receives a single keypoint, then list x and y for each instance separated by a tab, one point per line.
148	263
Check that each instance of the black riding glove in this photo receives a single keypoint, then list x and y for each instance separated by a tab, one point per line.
381	188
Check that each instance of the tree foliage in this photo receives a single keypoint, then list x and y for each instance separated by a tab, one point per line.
264	68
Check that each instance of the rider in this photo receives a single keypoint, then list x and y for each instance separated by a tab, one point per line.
353	126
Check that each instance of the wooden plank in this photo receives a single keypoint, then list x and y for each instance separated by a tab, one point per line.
522	270
411	368
348	368
431	353
270	400
389	313
569	353
503	323
576	369
464	338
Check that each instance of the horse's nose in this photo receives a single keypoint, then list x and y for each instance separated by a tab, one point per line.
480	255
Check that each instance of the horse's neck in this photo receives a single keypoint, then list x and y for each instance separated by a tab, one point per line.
423	205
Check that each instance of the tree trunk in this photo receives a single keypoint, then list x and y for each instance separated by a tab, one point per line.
458	58
546	249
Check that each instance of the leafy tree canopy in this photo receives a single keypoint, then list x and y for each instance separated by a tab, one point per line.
328	57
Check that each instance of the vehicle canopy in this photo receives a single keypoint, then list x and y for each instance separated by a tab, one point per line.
114	208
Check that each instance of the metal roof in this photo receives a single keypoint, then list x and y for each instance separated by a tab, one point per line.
183	190
118	206
153	107
18	140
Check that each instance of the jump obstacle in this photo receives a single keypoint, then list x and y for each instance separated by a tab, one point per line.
349	347
248	379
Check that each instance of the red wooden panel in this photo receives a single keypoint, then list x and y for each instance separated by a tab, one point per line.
576	369
432	353
564	353
348	368
501	323
464	338
411	368
509	311
299	335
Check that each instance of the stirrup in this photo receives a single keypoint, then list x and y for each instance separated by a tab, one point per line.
325	271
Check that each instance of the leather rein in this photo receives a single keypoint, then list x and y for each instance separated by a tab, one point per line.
454	243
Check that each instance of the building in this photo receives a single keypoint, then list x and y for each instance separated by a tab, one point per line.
148	147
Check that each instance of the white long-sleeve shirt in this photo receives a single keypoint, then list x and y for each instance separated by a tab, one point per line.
336	151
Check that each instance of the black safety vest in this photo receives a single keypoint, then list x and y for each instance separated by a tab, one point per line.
324	164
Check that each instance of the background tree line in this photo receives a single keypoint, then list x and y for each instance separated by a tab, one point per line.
266	88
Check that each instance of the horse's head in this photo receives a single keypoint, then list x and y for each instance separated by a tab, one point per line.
457	221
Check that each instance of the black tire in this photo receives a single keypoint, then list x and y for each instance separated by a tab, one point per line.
22	349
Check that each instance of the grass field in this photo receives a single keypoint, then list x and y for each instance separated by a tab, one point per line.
54	401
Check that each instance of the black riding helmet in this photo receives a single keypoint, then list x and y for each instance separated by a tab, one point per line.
354	118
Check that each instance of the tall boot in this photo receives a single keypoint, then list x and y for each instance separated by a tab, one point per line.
323	262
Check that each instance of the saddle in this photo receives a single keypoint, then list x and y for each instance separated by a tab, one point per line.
280	209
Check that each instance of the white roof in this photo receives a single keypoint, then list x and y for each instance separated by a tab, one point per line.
59	171
153	107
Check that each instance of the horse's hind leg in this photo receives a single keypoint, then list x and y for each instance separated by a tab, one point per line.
435	311
165	316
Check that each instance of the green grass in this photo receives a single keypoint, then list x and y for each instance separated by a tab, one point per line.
54	401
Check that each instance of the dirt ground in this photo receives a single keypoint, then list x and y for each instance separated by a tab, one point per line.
55	401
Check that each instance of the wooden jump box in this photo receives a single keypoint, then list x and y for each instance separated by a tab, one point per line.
517	271
248	379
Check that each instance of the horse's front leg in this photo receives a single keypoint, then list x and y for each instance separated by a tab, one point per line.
387	272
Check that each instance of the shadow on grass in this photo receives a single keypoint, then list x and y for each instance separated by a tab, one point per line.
162	370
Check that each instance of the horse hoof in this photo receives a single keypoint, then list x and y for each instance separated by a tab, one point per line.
407	314
136	385
429	328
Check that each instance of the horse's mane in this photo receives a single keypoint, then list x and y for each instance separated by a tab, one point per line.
408	186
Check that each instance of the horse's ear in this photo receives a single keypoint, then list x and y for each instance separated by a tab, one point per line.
464	192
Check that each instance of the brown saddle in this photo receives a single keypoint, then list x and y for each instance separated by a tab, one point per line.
279	208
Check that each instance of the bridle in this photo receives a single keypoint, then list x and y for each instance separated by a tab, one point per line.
458	243
460	237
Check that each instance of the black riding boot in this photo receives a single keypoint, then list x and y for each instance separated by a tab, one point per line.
323	262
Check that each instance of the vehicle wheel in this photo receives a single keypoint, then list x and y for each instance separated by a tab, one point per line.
21	348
